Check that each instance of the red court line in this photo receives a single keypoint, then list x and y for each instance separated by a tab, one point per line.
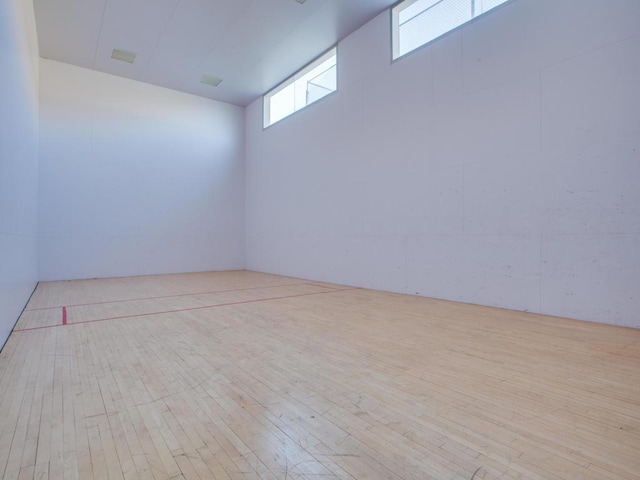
172	296
64	315
184	309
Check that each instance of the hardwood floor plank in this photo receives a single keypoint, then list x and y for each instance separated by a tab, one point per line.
244	375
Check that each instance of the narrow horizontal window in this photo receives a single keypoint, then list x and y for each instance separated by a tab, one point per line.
310	84
417	22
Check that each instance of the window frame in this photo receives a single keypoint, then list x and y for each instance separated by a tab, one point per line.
395	31
266	110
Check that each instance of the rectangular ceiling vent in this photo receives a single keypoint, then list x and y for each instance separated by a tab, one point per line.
211	80
123	55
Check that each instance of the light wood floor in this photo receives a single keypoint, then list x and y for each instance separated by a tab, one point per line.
241	375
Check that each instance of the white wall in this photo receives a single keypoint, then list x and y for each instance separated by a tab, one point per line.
500	165
136	179
18	160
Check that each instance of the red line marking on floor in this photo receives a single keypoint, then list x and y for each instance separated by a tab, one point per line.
64	315
172	296
186	309
37	328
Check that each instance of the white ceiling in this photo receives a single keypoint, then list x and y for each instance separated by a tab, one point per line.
251	44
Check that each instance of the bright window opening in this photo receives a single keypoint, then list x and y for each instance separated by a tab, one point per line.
309	85
417	22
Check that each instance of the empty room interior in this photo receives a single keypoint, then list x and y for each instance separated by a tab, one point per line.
320	239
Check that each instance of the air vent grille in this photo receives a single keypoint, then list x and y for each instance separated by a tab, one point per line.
123	55
211	80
